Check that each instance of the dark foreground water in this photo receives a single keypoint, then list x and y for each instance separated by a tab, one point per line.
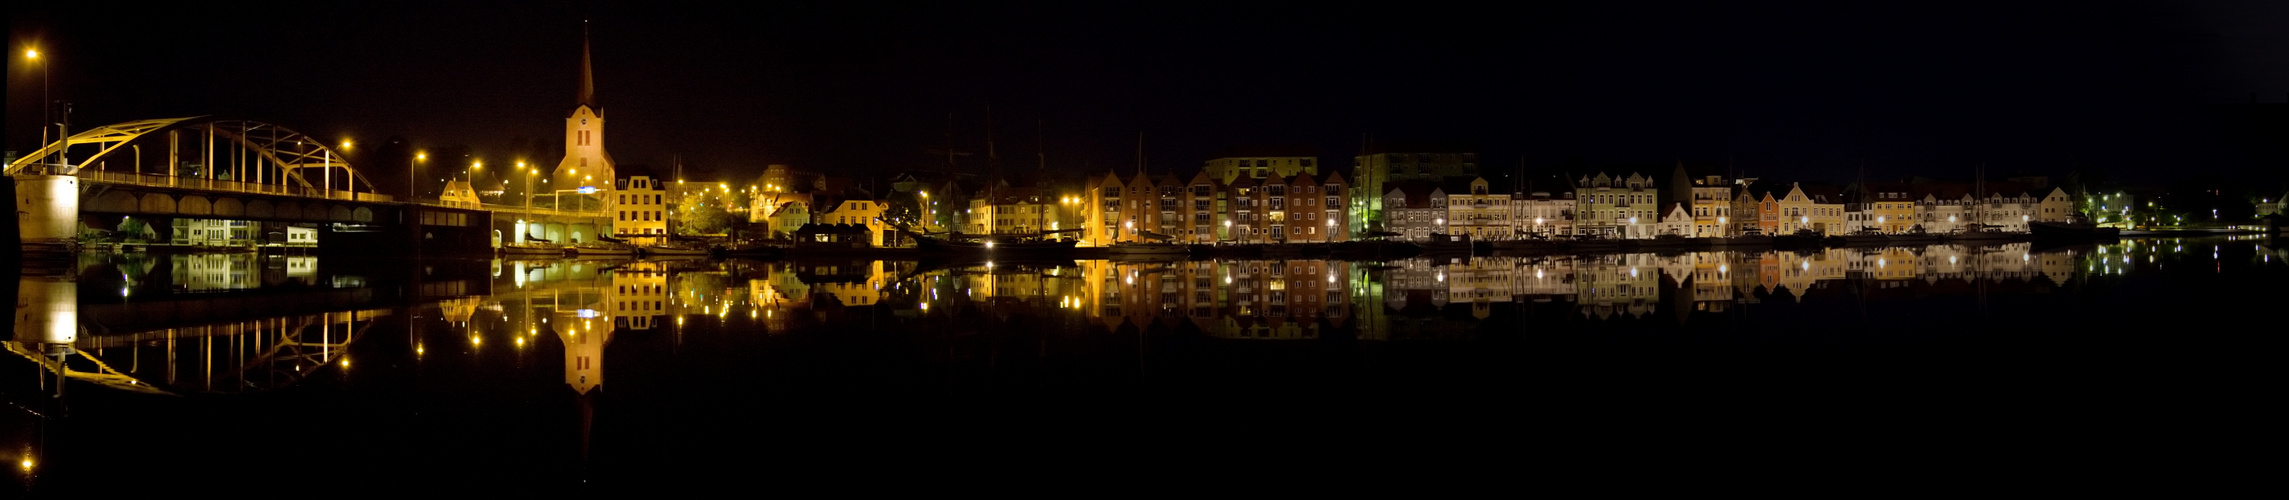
2128	365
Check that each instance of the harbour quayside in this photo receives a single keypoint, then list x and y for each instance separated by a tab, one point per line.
959	246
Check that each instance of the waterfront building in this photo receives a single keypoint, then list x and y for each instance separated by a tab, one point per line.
1888	207
1203	210
1616	207
1479	213
1816	208
1756	208
1168	207
1544	214
2057	206
1011	210
1296	209
1677	221
639	210
1712	206
1333	193
1707	196
1250	214
859	212
1415	210
1382	164
1123	209
786	218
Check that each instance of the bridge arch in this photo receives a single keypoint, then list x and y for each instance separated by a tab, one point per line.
241	155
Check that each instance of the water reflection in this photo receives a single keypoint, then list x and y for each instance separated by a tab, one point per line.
183	324
580	305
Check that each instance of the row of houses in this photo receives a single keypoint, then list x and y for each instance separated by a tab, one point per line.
1288	200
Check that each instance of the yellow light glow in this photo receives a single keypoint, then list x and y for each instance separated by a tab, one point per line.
30	54
476	340
345	362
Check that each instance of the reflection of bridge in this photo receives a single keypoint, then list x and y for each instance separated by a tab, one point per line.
200	169
242	356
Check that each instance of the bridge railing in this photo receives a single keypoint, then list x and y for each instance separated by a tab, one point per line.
169	181
542	210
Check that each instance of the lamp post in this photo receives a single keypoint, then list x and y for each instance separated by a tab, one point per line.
349	177
33	55
529	173
412	194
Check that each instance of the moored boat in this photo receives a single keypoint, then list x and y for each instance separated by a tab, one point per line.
1978	233
1867	237
674	249
532	249
601	248
1135	251
2069	230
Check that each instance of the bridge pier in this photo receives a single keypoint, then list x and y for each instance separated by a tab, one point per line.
47	208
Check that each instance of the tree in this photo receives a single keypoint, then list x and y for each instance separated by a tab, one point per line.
705	219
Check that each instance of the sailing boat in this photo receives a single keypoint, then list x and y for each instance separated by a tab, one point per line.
1976	231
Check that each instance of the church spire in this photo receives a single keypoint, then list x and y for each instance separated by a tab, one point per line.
587	72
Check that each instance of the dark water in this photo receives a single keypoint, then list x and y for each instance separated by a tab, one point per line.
216	372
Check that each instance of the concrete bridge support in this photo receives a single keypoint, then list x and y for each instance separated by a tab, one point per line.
47	208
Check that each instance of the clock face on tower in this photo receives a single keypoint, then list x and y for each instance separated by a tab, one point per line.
583	121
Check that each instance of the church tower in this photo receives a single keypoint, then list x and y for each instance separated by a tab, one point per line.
585	162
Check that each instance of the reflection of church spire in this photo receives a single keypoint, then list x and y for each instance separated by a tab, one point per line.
587	426
584	340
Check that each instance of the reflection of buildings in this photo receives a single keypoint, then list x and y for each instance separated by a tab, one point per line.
207	272
1609	284
638	296
1230	299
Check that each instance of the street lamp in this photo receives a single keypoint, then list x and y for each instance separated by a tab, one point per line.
410	181
33	55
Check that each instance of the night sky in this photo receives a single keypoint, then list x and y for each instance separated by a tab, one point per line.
1794	90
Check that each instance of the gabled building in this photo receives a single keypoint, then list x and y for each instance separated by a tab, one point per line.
1415	210
1756	209
783	220
861	213
1616	207
1816	208
1677	221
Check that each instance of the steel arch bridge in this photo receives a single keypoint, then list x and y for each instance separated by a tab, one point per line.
231	155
